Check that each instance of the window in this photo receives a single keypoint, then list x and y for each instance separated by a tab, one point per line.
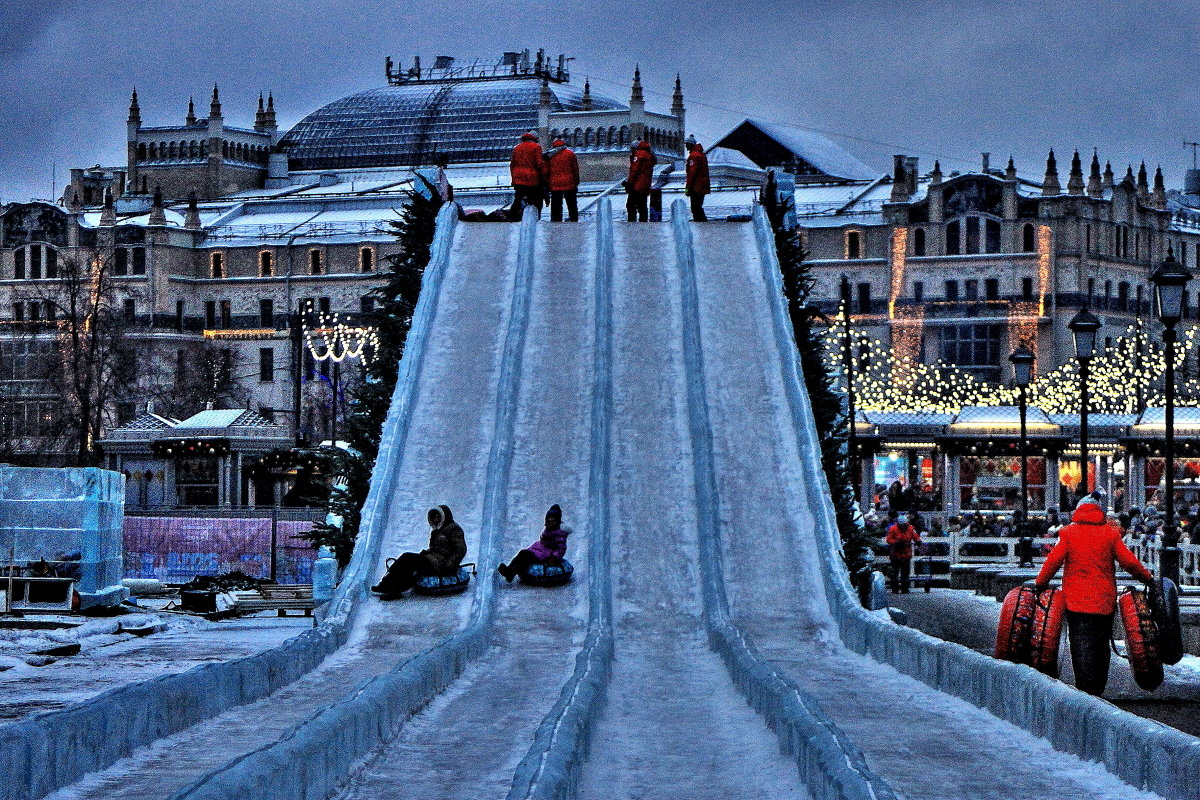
179	315
323	305
367	305
952	239
266	364
216	265
864	298
1107	293
315	266
952	291
975	348
853	244
50	310
266	266
1091	289
19	312
266	313
19	264
210	314
972	238
1137	308
1027	290
919	242
991	236
991	289
1183	253
1028	240
972	290
35	312
918	291
139	261
226	314
51	262
35	261
366	259
120	261
130	310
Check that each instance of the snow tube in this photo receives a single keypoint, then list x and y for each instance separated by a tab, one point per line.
447	584
1141	638
547	574
1031	627
1164	606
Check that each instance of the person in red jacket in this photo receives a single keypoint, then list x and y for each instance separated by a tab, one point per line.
697	185
1086	551
564	181
528	170
641	170
901	537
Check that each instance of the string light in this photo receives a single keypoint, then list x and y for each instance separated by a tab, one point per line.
334	340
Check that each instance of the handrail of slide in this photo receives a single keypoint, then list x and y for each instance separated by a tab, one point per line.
832	767
316	757
550	770
33	759
1142	753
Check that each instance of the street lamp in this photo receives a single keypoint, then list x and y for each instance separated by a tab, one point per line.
848	366
1169	281
1084	326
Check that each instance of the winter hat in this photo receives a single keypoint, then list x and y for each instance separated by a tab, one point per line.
559	142
691	139
529	136
555	512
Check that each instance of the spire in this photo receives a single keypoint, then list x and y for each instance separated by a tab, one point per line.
1050	184
157	215
1010	172
1159	198
677	98
1143	184
192	219
1075	180
191	115
545	98
1129	177
135	112
935	177
1109	178
269	114
260	116
587	95
214	108
108	216
635	96
1095	184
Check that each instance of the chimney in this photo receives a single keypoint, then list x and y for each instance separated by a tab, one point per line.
987	164
587	95
912	167
1010	172
191	220
157	215
108	216
900	192
935	177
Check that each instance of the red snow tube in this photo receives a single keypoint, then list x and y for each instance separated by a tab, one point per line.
1030	628
1141	638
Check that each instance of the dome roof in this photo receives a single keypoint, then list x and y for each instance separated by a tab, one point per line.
408	124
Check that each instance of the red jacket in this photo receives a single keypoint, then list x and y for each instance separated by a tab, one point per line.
1088	547
900	538
564	171
641	169
697	171
527	166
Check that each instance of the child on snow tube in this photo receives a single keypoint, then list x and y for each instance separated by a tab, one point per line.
549	550
447	548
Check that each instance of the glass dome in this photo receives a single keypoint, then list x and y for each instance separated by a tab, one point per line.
412	124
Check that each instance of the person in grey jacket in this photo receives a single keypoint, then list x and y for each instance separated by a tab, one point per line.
447	548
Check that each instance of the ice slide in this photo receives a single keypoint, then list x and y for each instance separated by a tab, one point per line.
637	375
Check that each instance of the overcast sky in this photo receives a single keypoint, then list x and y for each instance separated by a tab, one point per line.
944	79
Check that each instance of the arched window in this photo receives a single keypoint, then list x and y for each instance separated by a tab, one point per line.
991	238
612	135
204	148
51	262
953	245
919	242
366	259
172	153
577	139
194	149
587	137
266	266
1123	296
623	137
853	244
1028	241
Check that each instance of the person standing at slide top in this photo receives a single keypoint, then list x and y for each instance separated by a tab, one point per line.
528	170
1086	551
641	170
564	181
697	185
447	548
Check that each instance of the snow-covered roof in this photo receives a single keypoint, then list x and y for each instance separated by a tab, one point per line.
149	422
804	145
1156	418
226	418
1002	417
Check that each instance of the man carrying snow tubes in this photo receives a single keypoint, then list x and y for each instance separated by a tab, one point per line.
1086	551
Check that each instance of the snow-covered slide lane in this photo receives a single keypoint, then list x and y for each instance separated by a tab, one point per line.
302	764
925	743
674	724
459	340
468	741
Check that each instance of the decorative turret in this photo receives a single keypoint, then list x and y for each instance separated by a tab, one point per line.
1010	172
1143	184
260	115
191	220
269	116
1109	178
190	119
1075	180
1129	181
1050	184
214	108
935	177
635	96
74	206
1159	198
1095	184
587	95
677	99
157	215
135	112
108	216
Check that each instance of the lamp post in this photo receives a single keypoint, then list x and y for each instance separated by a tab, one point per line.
1022	360
848	366
1084	326
1169	281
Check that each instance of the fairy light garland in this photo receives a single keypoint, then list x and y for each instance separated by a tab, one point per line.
333	340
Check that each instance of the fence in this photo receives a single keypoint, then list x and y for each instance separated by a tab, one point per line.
177	548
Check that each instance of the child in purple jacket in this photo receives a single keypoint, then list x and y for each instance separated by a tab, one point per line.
550	548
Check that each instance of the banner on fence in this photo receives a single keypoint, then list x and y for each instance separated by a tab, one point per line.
177	549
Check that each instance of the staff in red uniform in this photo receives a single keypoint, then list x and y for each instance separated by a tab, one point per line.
901	537
564	181
528	170
697	184
641	170
1086	551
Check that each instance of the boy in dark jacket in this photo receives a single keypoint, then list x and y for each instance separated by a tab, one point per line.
447	548
550	548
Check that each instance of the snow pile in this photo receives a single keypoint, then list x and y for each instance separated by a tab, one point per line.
1144	754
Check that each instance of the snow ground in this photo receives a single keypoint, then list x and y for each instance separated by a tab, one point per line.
444	463
674	725
926	744
468	741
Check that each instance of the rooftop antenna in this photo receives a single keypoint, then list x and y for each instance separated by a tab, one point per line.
1195	146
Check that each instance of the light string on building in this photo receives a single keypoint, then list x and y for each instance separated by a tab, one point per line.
333	340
